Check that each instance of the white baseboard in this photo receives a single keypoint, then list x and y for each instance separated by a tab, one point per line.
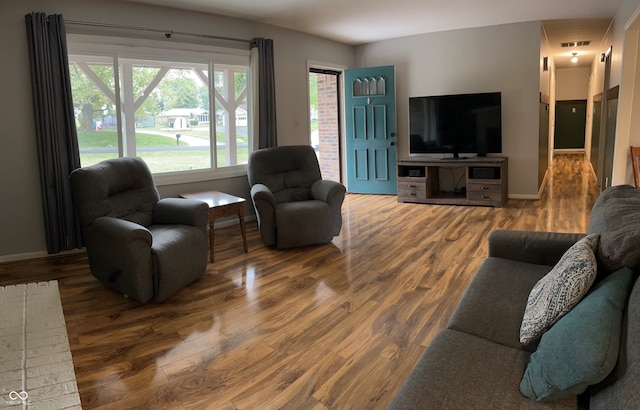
35	255
233	221
569	151
44	254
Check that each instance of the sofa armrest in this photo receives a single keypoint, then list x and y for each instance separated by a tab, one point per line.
328	191
181	211
542	248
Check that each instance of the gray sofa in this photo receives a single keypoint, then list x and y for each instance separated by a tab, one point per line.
478	362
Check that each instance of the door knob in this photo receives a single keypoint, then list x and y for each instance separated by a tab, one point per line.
392	143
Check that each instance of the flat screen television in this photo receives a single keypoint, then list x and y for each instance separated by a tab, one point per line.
455	124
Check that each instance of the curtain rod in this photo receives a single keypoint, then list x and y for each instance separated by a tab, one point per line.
167	33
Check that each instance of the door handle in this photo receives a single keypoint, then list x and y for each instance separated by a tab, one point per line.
392	143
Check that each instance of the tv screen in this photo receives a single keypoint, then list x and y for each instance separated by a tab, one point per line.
454	124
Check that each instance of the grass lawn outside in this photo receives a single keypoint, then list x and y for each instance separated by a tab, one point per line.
160	152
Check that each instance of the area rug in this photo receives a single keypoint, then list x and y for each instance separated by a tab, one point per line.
36	369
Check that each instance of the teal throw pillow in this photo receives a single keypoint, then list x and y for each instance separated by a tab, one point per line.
581	348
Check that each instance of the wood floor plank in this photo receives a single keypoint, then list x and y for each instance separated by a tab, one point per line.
335	326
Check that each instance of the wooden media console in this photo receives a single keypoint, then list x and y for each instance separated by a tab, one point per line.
485	181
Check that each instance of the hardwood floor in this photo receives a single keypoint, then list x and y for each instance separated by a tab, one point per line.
337	326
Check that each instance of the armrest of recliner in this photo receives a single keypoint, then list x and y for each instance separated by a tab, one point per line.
182	211
260	193
329	191
120	256
265	205
543	248
111	231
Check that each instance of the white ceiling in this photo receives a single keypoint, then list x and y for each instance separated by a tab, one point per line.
358	21
559	31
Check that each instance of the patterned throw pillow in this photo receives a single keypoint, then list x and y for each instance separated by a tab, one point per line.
561	289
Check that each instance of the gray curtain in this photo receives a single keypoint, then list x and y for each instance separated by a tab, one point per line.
56	135
267	128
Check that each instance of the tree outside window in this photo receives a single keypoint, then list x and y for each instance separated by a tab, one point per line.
160	111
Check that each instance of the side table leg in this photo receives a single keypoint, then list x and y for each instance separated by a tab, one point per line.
211	241
242	227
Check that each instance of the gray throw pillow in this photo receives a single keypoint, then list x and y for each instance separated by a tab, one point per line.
561	289
582	348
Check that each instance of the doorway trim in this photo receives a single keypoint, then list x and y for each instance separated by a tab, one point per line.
629	108
320	65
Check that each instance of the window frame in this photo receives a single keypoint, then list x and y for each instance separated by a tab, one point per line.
116	48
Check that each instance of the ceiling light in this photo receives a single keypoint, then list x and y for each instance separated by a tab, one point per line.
574	59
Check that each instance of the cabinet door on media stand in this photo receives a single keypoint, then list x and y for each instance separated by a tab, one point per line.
412	187
416	182
489	192
487	185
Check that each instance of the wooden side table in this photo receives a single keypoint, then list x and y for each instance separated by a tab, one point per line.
221	205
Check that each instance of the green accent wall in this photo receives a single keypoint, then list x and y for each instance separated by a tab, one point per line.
571	117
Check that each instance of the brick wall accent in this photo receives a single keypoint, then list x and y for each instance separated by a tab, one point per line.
328	127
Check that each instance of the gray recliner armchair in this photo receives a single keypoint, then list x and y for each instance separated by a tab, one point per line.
137	243
294	205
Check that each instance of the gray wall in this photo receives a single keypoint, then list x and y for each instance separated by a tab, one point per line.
21	232
503	58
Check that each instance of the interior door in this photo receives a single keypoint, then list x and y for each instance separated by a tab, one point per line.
571	117
543	141
370	117
610	137
595	132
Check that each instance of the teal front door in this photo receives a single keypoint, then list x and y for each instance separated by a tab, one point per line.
370	116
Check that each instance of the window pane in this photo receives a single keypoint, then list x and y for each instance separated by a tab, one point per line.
164	105
171	116
93	90
232	119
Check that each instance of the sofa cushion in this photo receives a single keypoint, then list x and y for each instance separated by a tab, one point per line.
620	389
494	302
462	371
561	289
581	349
616	219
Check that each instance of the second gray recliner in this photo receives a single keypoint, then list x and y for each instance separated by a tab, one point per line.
294	205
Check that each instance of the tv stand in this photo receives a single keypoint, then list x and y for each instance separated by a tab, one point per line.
485	181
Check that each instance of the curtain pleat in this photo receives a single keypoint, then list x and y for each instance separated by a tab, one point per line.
56	134
267	127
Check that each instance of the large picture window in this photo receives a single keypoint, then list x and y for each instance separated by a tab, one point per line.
183	112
